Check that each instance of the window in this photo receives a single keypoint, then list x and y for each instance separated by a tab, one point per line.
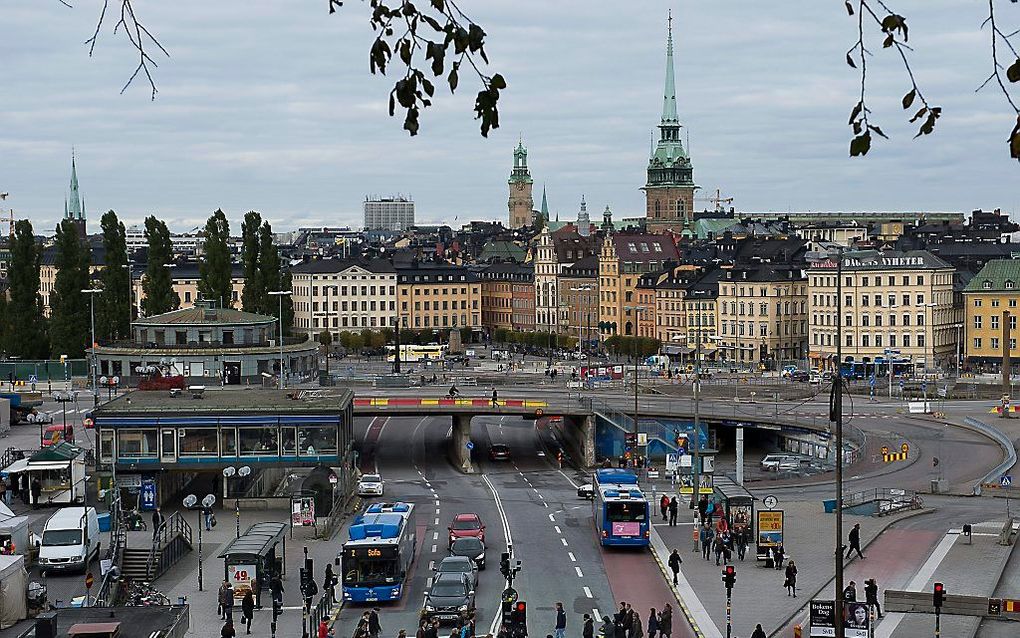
878	302
977	304
892	321
906	320
920	282
848	321
906	341
995	303
849	342
995	326
865	321
920	300
977	325
137	443
920	320
864	302
892	299
977	344
864	282
920	341
878	344
878	323
197	442
906	282
864	344
1012	344
1009	285
994	344
906	300
259	441
892	342
1012	323
1012	303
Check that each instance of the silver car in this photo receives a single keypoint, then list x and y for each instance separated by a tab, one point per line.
458	565
371	485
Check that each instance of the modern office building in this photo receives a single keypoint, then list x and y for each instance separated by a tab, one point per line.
389	213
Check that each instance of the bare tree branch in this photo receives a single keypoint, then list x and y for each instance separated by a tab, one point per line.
139	37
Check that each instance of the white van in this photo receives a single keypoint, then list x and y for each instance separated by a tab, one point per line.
70	539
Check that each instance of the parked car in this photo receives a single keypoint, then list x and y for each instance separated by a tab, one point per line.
458	565
499	452
789	370
470	548
771	462
451	597
466	526
70	540
371	485
789	465
799	375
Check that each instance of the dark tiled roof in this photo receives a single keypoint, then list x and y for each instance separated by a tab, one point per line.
638	247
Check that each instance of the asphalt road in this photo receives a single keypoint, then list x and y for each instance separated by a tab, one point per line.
527	502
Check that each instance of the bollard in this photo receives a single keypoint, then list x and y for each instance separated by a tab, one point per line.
797	631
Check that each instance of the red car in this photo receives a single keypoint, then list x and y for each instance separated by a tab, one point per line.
466	526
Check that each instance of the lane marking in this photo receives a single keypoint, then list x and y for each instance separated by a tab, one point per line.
432	563
578	570
437	500
434	547
437	519
564	541
553	519
557	528
569	480
892	620
596	614
435	535
587	592
509	542
571	555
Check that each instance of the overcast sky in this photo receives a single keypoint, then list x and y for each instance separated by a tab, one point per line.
269	105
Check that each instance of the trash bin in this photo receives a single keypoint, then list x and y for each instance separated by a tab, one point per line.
104	521
830	505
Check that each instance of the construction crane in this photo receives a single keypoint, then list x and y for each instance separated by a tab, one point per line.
717	200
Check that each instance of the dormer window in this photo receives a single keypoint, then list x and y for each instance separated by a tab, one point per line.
987	285
1009	283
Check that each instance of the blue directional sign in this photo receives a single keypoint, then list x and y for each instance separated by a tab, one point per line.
924	386
871	382
33	378
901	384
1006	480
469	445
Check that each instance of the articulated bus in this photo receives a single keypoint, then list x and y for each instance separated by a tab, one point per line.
411	353
620	509
376	559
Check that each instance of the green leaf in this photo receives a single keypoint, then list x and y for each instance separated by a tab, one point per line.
1014	141
497	82
438	4
1013	72
908	99
888	42
860	145
452	79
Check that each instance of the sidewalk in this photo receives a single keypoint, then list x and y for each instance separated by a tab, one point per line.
759	595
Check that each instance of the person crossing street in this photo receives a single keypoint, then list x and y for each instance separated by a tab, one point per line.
561	622
855	542
871	595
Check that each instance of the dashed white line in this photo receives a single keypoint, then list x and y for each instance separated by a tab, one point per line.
578	570
557	527
564	541
596	613
432	563
587	592
553	519
437	519
437	500
435	535
571	556
434	545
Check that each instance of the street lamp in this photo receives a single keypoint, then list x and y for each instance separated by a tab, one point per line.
91	292
240	472
637	310
280	294
191	503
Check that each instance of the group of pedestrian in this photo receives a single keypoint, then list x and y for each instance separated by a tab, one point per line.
669	509
225	609
429	628
626	623
870	594
368	625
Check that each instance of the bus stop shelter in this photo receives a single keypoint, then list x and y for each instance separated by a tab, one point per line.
251	559
737	502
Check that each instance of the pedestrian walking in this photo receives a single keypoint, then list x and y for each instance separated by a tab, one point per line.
740	538
706	535
791	579
619	622
664	506
653	623
758	632
431	629
36	488
674	565
855	541
226	601
157	522
247	609
850	592
727	548
587	627
607	629
717	548
467	630
779	553
871	595
373	623
709	510
560	630
228	630
666	622
210	520
495	398
673	509
329	583
637	630
276	588
323	630
702	508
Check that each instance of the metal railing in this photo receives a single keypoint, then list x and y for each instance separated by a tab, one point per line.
319	612
106	594
999	437
899	498
167	545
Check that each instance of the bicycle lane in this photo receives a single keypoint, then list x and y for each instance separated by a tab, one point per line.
636	578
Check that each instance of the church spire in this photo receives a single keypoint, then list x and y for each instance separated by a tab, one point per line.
545	205
74	207
669	114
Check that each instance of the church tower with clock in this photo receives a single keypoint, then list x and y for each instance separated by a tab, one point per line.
521	203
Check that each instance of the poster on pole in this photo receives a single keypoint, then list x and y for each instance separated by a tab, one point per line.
241	577
303	511
770	529
687	483
856	620
822	618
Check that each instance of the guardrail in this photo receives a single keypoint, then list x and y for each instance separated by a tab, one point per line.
999	437
319	612
896	499
167	545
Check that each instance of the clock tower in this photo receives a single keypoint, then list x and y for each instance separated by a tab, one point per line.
521	203
669	190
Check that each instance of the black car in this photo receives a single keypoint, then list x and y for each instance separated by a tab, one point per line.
451	597
799	375
470	547
499	452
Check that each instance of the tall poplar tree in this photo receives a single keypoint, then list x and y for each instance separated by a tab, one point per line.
274	278
157	286
214	280
26	336
254	293
70	311
113	306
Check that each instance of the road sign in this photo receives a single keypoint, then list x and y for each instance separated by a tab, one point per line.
901	384
469	445
33	378
994	606
642	438
871	382
924	386
885	450
333	479
672	462
770	501
89	580
1006	480
509	595
905	448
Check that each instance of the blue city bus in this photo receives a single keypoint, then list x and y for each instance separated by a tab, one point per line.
619	509
376	559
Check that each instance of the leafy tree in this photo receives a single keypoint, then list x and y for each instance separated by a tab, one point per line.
214	271
253	297
288	304
26	333
270	271
70	308
114	306
157	286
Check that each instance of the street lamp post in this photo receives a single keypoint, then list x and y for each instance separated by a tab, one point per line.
637	310
191	503
131	294
280	294
62	398
91	292
240	472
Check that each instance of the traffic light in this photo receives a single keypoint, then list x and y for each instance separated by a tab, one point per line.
729	577
504	564
508	613
938	595
519	615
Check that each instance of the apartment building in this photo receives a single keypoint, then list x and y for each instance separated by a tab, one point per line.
555	251
508	296
623	259
344	295
578	287
763	315
898	304
990	301
438	296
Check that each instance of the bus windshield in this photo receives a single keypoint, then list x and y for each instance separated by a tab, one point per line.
628	512
366	571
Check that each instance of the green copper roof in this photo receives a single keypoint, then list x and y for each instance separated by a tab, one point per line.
998	275
669	94
520	173
74	208
545	213
669	164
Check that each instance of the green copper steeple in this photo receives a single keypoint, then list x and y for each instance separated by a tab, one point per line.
669	92
669	164
520	173
74	207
